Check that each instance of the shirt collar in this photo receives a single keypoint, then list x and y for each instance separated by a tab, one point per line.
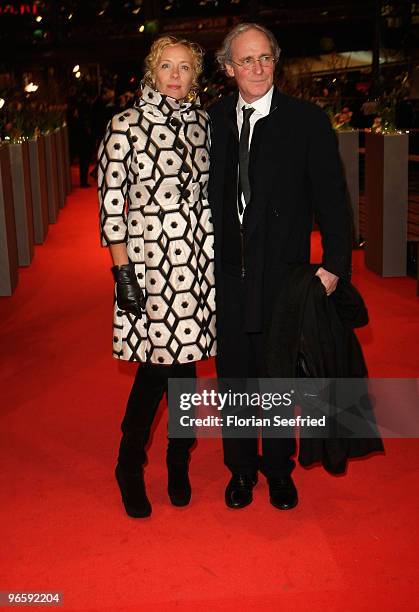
261	106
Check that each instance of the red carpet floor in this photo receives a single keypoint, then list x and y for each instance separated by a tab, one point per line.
350	545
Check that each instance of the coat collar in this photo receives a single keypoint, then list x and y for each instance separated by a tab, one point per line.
163	103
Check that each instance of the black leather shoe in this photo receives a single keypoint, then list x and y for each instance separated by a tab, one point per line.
282	492
238	493
179	486
133	493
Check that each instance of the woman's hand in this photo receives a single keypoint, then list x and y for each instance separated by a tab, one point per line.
129	295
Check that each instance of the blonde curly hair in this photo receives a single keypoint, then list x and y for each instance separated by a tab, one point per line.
157	48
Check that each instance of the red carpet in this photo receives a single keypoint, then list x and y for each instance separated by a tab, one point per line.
350	545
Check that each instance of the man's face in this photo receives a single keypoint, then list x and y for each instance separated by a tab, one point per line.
253	81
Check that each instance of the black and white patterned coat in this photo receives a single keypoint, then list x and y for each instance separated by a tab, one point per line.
153	177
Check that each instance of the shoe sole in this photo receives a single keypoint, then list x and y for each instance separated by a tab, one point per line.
237	507
178	504
289	507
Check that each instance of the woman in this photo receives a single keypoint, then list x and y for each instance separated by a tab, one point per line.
155	219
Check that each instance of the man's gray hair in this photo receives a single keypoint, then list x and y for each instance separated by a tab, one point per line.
223	55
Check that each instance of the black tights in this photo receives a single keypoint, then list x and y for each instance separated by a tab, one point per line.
150	384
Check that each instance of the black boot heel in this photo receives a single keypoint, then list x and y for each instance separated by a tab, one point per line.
134	497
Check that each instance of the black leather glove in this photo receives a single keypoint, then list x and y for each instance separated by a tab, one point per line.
129	295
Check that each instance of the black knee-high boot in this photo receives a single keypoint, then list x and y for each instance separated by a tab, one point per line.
149	386
147	391
178	452
177	460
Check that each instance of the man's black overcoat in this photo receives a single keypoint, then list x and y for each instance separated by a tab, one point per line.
294	171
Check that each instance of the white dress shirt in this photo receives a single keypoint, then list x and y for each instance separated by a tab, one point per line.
262	108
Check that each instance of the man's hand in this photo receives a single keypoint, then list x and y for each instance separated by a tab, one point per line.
128	292
328	280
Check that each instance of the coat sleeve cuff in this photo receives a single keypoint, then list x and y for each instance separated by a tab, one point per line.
338	265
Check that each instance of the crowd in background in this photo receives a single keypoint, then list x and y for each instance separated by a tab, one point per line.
347	98
87	118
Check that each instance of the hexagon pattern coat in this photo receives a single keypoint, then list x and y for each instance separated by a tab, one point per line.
153	177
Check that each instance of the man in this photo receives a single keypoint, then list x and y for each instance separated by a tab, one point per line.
274	161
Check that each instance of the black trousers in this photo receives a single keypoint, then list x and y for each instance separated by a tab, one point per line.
241	356
150	384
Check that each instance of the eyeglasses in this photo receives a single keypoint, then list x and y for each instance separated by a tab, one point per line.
248	62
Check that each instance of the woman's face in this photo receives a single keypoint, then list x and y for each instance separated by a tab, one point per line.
174	72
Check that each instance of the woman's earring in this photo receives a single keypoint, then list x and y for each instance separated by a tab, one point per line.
192	94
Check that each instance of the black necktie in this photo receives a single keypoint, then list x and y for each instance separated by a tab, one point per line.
244	185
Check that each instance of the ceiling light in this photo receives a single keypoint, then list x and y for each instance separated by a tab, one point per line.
31	88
